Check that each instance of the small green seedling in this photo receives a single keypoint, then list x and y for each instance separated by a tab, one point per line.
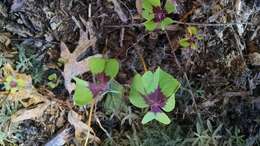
61	61
53	81
155	15
13	85
156	91
103	70
190	41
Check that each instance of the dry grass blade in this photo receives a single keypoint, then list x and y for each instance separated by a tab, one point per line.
119	11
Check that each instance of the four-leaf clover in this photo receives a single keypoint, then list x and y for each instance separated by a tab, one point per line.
103	71
13	85
156	91
190	40
156	15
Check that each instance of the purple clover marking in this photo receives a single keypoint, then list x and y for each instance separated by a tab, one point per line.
13	84
156	100
192	39
156	91
100	86
160	14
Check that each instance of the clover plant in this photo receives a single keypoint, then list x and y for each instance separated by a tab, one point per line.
156	15
13	85
155	91
190	41
103	71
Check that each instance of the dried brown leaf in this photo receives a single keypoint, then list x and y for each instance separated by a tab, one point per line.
25	114
73	67
81	129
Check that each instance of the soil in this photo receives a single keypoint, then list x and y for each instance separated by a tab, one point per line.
220	80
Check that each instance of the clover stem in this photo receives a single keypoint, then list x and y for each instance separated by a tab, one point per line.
185	74
89	120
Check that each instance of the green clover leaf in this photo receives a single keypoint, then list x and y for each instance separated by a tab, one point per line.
150	25
148	117
155	2
170	6
138	84
149	15
192	30
170	104
137	92
184	42
111	67
82	95
168	84
137	99
149	82
163	118
97	65
147	5
166	22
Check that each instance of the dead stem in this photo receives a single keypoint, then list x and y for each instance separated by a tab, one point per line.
187	23
189	13
89	120
143	62
184	73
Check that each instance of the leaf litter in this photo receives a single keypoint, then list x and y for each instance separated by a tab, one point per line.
72	66
223	71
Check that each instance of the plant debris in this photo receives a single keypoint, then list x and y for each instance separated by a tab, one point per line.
53	93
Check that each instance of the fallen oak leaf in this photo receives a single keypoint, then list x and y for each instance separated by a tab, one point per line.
81	129
72	66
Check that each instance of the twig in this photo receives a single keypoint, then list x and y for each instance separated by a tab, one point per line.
122	35
179	66
89	120
189	13
212	24
143	62
61	138
102	128
185	23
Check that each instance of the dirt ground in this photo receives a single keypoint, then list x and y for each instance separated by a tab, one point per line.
218	102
